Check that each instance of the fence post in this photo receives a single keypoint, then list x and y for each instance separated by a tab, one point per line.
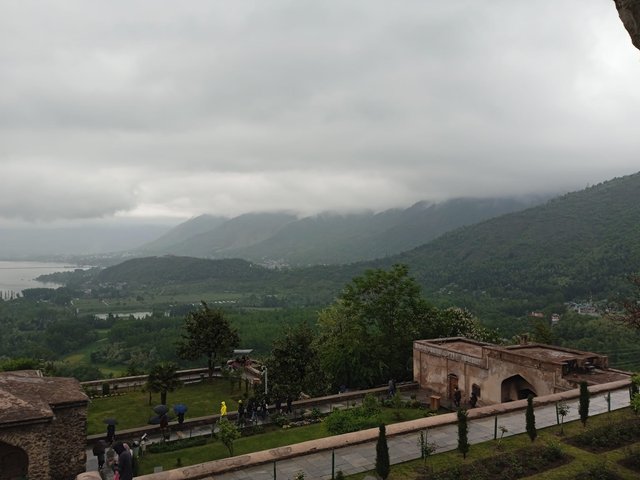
608	401
333	463
274	470
495	427
557	415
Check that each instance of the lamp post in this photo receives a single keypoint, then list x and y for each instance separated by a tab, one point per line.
266	380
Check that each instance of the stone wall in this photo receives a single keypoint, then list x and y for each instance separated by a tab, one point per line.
55	448
67	456
35	441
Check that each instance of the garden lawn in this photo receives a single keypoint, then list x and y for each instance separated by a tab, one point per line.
272	438
132	409
215	450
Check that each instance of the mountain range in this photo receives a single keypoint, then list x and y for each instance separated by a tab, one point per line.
283	239
583	244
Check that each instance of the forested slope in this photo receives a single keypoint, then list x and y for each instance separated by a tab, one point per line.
581	244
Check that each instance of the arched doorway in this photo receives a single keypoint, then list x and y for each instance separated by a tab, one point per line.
14	462
516	388
452	384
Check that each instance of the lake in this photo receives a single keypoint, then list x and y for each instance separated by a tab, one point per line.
17	276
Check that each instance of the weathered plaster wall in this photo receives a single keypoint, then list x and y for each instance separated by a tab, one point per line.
434	364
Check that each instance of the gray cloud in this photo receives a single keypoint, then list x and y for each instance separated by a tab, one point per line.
159	108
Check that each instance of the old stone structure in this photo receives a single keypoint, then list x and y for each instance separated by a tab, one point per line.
42	427
501	374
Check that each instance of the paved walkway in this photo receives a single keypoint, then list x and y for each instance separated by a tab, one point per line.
361	458
402	448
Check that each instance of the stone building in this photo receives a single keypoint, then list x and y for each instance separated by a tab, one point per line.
500	374
42	426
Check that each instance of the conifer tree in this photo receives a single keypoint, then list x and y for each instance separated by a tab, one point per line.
583	408
382	454
531	419
463	432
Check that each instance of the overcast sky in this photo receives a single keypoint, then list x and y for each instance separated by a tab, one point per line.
172	109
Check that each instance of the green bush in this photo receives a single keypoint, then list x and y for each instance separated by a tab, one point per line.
279	419
608	437
598	471
252	430
507	466
370	404
162	447
352	420
552	451
631	458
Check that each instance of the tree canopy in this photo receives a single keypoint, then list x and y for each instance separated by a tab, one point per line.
366	337
207	333
162	379
293	365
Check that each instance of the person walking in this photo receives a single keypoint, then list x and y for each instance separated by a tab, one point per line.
99	451
264	409
125	463
240	413
223	409
111	433
457	397
473	401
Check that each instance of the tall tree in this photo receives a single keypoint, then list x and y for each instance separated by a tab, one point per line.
207	333
162	379
294	366
463	432
530	418
583	406
630	315
383	465
366	337
228	433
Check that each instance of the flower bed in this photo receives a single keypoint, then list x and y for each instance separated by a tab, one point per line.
608	437
507	466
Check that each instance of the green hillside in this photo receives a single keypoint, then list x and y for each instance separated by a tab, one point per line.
579	245
328	238
182	232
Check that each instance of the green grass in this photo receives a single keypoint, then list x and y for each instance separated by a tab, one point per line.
214	450
151	300
582	458
273	437
132	409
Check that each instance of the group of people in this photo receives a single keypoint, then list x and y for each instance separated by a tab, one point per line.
457	398
116	455
254	409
